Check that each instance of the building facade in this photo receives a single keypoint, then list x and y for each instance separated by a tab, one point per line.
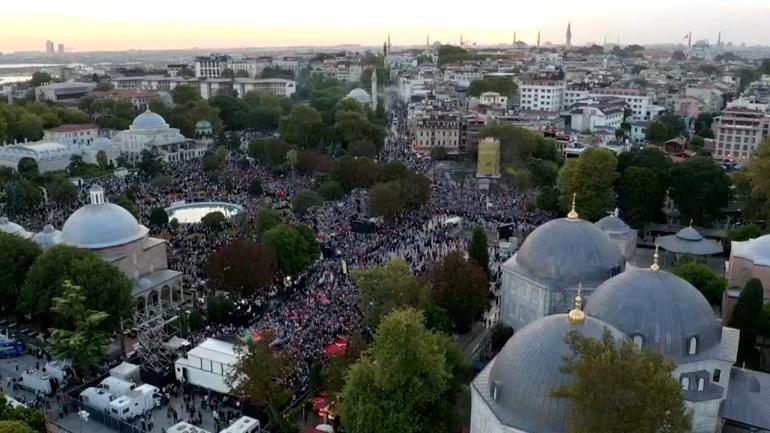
737	132
149	131
432	130
542	95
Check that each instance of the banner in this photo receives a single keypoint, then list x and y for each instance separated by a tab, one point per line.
489	158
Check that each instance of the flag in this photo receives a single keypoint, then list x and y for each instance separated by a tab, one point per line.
686	36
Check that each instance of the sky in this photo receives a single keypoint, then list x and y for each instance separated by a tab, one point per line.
89	25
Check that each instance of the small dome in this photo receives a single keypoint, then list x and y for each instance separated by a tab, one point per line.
665	310
12	228
360	95
103	225
529	368
149	120
689	234
569	251
101	143
613	224
757	250
203	124
144	283
48	237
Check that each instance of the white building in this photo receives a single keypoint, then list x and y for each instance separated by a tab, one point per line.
72	134
211	66
274	86
493	99
711	97
737	132
208	365
638	102
150	132
597	114
69	91
55	156
542	95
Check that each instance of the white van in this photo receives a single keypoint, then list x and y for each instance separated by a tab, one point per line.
142	399
61	370
37	381
243	424
117	387
97	398
183	427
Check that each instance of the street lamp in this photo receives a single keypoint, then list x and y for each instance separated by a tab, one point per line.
83	415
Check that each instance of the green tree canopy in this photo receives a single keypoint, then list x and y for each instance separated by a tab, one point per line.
758	167
478	250
640	196
746	317
388	287
185	94
242	267
219	308
403	383
700	189
618	388
740	234
295	246
590	177
18	256
105	287
81	339
502	85
27	168
303	201
27	416
703	278
267	219
158	217
214	220
302	127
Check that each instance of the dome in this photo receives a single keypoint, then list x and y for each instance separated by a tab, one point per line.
665	310
101	143
203	124
12	228
569	251
48	237
528	369
613	224
149	120
757	250
102	225
689	234
360	95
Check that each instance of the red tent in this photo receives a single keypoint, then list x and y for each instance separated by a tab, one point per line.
339	347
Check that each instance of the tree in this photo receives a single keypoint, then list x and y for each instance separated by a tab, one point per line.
27	168
242	267
330	190
219	308
386	200
150	163
267	219
214	221
405	382
697	142
128	204
658	132
700	190
590	177
241	73
302	202
158	217
746	317
295	246
15	427
740	234
703	278
619	388
40	78
16	260
62	191
228	73
758	167
387	288
517	144
105	287
276	72
255	187
211	162
302	127
478	250
640	195
21	196
502	85
102	160
185	93
28	416
258	376
461	288
81	338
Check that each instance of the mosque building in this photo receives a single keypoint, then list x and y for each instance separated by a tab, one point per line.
542	277
117	237
655	309
149	131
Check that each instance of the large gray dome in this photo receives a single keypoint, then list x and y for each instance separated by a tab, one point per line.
149	120
103	225
528	368
665	310
565	252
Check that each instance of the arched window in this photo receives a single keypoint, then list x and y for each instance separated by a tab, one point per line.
693	346
701	384
638	341
716	376
685	383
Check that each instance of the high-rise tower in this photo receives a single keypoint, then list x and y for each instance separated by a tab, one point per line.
569	35
374	89
538	38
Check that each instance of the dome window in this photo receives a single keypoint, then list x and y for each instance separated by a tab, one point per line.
496	385
685	383
692	346
701	383
717	375
638	341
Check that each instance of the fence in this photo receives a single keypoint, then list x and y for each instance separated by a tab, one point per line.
101	417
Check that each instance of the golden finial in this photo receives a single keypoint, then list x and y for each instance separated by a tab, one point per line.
576	316
655	266
573	215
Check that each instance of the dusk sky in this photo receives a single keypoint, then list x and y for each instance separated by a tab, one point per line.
83	25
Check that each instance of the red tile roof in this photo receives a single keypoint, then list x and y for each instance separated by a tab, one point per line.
76	127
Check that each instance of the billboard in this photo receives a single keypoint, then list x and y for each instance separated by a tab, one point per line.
489	158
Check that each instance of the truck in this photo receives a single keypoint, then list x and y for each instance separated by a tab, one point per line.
139	401
183	427
117	387
37	381
60	370
10	347
243	424
97	398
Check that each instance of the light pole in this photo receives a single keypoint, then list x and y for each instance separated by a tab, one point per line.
83	415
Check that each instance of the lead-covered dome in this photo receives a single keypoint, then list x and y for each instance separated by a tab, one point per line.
360	95
101	225
612	224
568	251
665	311
7	226
528	368
149	120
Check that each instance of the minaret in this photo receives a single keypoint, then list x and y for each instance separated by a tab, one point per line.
427	41
538	38
569	35
389	46
689	40
514	37
374	89
719	40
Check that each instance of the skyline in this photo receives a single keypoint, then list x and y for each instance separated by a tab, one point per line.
235	23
